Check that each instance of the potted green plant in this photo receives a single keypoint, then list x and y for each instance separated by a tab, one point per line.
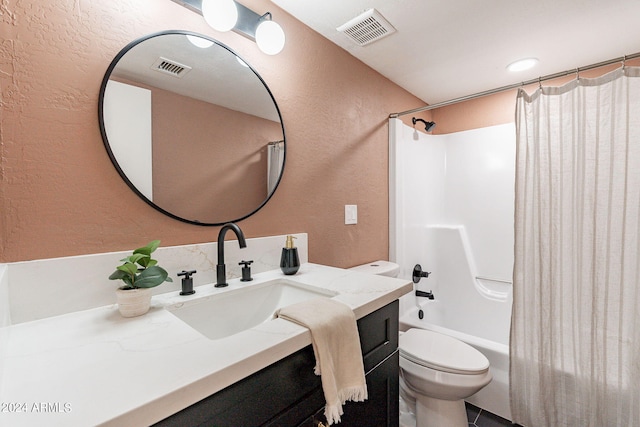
140	273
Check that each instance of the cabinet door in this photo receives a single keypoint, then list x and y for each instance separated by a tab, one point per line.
379	335
284	386
316	420
295	415
381	409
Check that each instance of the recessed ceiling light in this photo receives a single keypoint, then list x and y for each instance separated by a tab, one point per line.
522	64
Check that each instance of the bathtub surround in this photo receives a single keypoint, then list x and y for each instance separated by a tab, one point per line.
451	211
461	179
575	330
44	288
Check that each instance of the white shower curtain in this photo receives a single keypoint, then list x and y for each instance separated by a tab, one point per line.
275	161
575	333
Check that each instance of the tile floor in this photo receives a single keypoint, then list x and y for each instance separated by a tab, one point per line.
477	417
480	418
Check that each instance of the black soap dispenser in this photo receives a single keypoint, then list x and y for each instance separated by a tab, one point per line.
289	262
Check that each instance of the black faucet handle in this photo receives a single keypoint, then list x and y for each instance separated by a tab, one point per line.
246	270
419	274
187	274
187	282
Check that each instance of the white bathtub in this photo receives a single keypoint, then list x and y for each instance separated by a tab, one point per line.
495	396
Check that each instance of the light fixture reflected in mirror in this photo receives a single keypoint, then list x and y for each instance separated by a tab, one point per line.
199	42
241	62
225	15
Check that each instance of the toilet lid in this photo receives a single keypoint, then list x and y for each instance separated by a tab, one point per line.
441	352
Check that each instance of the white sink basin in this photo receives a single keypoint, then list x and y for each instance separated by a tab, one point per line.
232	311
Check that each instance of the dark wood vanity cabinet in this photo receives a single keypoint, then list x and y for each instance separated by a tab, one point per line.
289	394
380	410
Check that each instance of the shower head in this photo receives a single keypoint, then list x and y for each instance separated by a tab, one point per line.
428	126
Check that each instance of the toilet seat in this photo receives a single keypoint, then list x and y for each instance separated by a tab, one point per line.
441	352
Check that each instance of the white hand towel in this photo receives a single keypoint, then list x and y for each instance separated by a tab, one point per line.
336	345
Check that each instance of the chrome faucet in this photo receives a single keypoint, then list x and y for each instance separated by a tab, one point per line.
221	269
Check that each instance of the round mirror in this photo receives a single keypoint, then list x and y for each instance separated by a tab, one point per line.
192	128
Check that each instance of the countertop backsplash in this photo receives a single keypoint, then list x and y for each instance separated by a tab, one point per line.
38	289
5	318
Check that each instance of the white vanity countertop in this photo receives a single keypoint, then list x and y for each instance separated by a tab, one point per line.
95	367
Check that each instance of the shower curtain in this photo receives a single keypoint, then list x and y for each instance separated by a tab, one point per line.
575	333
275	161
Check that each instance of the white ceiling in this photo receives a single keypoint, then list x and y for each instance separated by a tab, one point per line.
445	49
216	76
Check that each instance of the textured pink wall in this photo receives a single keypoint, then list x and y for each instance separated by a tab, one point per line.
60	195
201	152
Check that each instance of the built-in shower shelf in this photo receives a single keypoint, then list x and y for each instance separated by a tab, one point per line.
491	279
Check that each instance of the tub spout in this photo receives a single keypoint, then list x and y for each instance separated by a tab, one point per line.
425	294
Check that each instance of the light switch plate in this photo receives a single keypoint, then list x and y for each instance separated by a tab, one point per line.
350	214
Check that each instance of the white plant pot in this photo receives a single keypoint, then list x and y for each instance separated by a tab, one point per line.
133	302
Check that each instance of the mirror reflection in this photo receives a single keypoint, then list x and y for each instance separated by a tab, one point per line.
192	128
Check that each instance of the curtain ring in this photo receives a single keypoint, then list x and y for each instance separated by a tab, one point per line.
540	83
624	61
578	74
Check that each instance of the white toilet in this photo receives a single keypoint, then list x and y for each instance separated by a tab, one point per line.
379	268
437	372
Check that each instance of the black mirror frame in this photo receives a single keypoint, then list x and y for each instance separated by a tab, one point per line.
107	146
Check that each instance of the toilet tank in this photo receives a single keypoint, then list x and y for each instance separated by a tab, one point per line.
380	268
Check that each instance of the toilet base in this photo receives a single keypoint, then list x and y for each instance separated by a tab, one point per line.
432	412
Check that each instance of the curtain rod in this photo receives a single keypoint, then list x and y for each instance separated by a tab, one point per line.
622	59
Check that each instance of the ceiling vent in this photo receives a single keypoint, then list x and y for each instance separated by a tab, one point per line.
367	27
168	66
